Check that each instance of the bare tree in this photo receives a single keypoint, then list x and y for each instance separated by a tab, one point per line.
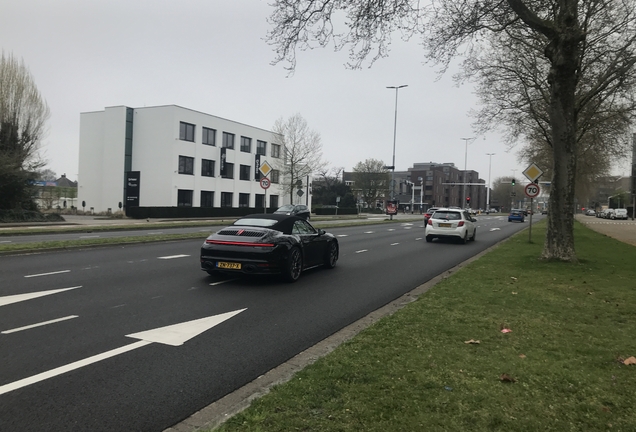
581	51
371	180
23	114
47	175
302	152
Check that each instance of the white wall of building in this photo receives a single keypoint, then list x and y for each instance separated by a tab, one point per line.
155	154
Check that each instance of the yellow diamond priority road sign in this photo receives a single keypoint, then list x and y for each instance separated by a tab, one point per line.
533	172
265	168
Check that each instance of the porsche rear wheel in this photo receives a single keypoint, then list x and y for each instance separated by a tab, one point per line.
293	266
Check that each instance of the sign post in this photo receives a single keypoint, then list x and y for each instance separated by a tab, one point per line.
265	182
532	191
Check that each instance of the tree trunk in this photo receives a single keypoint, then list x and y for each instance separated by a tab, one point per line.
563	54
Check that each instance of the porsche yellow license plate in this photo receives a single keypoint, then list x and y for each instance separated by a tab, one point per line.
445	225
228	265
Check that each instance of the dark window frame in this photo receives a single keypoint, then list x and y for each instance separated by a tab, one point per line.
205	137
245	172
261	147
229	170
184	197
207	167
186	131
224	199
227	143
242	200
246	144
205	200
184	167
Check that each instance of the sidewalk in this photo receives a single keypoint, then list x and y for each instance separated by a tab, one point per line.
623	230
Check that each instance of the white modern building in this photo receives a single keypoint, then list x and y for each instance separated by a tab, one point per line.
169	156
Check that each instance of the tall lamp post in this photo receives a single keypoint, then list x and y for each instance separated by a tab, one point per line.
488	190
463	203
394	137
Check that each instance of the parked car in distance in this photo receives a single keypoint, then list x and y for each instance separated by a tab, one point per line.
299	210
544	211
590	212
269	244
516	215
451	223
619	213
607	213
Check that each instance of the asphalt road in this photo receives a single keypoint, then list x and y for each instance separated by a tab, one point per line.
74	359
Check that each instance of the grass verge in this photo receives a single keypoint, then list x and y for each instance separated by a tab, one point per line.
559	369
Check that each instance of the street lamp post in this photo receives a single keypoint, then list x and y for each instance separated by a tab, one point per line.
513	197
463	203
421	179
488	190
394	137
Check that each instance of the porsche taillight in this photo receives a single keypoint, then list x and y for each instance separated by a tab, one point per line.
235	243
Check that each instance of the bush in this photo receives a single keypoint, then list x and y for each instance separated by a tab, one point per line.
8	216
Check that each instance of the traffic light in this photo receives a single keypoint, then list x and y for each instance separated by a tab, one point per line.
467	200
513	182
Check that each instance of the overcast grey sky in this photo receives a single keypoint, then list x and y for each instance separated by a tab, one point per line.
210	56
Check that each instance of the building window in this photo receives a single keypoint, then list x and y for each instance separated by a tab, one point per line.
226	199
184	198
186	165
273	201
260	200
209	136
207	199
244	200
274	176
246	144
207	168
275	150
186	131
244	172
261	147
228	140
229	170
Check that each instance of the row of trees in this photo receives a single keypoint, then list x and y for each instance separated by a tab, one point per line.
23	116
558	75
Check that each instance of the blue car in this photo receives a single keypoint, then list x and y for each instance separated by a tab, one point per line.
516	215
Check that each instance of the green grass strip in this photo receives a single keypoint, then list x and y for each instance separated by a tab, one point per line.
571	323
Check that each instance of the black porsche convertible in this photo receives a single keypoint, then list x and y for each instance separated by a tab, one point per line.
269	244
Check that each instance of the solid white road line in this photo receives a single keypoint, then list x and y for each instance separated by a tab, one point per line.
173	256
221	282
23	297
71	366
394	244
343	235
362	250
369	232
47	274
87	237
39	324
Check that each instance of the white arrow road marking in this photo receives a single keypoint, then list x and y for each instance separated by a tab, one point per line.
173	335
173	256
47	274
23	297
38	324
178	334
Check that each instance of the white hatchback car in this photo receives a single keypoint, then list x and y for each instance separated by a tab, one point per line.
451	223
619	213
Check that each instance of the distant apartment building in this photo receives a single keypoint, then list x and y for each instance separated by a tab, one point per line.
170	156
433	184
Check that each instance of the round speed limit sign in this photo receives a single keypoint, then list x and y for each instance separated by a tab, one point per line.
265	183
532	190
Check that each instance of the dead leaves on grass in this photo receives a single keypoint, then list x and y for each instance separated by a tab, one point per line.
628	361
